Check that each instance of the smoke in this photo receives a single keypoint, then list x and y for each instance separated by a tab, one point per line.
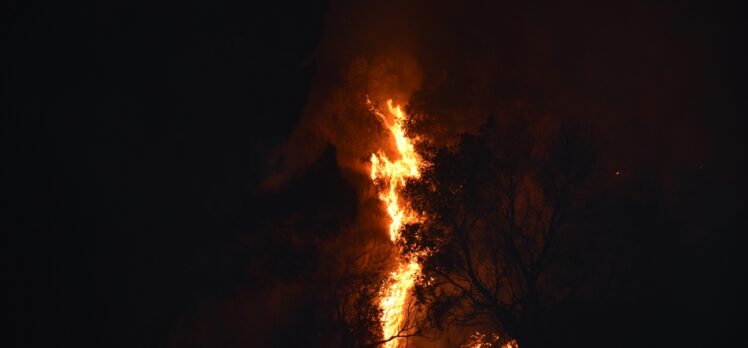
617	66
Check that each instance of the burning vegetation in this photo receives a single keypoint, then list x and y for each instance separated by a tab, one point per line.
375	174
477	226
391	176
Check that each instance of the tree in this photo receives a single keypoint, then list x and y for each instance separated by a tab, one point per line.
498	207
351	292
354	310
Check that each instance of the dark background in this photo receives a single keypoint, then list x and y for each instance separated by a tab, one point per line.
136	133
129	122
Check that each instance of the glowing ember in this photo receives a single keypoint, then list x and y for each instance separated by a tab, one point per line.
480	340
391	178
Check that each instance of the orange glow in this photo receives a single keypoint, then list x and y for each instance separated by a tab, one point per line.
391	177
394	173
394	300
480	340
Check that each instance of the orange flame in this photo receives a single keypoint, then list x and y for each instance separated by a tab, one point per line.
392	176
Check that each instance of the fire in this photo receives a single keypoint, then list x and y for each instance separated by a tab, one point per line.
391	176
481	340
394	300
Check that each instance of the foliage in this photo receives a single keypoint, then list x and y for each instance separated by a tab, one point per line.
498	207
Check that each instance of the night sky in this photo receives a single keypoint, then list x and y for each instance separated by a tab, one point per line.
179	174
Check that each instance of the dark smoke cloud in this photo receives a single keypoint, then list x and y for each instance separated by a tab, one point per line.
630	68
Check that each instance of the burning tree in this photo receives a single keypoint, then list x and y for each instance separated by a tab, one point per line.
353	297
355	313
500	205
390	176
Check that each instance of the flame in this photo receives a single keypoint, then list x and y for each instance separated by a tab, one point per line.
395	173
391	176
394	300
